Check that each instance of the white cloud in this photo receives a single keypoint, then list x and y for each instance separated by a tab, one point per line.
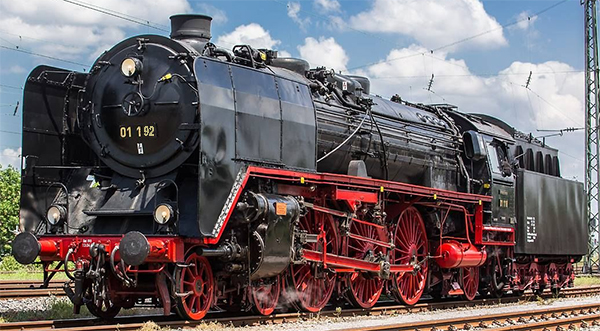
11	157
324	52
293	12
218	15
555	99
252	34
327	5
68	31
283	54
16	69
525	21
433	23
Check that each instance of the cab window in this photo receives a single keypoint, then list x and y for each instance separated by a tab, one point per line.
499	161
493	155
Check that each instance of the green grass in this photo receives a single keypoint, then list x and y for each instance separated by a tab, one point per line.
586	281
10	269
27	275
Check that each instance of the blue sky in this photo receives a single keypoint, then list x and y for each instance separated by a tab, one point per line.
388	40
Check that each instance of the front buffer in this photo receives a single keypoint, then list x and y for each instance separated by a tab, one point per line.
102	275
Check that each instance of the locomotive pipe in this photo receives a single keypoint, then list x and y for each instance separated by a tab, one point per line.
228	251
345	102
223	52
213	252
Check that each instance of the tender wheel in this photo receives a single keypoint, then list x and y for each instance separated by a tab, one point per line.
195	286
496	287
364	288
410	241
554	279
469	282
264	295
311	286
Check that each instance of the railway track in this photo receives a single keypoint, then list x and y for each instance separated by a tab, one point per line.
560	318
586	314
14	289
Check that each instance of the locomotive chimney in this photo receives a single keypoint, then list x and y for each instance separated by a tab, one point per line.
192	29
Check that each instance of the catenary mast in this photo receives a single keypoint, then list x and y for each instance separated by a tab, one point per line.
592	160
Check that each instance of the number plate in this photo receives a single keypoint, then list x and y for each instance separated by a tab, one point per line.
137	131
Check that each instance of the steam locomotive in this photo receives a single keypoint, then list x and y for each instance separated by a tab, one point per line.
187	176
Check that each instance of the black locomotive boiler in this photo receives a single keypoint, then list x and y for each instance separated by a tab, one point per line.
187	176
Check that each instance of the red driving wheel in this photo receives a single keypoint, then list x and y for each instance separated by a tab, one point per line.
364	288
410	247
265	295
310	287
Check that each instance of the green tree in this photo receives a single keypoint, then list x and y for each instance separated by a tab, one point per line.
10	187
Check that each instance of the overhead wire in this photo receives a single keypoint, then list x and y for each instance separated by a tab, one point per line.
500	27
11	86
484	74
571	156
116	14
464	39
99	9
315	14
96	8
5	32
126	15
11	132
560	111
43	55
551	105
8	41
21	36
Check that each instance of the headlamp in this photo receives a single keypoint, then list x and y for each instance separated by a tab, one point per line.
131	67
56	214
163	214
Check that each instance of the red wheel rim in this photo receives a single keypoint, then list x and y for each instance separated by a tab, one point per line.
312	293
410	247
470	282
365	289
197	279
265	295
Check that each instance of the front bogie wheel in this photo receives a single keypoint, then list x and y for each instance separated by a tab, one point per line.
99	301
105	309
194	285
